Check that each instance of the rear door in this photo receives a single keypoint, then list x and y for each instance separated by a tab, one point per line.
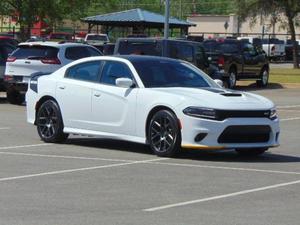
28	59
74	92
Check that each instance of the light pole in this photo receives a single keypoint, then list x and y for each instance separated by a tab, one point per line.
167	15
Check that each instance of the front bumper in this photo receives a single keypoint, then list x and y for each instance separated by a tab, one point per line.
212	130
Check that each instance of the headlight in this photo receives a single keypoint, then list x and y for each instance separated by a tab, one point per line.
206	113
273	114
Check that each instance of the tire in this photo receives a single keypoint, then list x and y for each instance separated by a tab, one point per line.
14	97
49	123
251	151
264	78
164	134
231	80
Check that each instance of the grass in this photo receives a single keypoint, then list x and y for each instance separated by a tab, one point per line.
284	75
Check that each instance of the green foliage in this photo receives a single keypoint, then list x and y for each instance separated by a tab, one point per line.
30	11
178	8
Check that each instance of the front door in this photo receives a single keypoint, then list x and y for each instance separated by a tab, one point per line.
113	107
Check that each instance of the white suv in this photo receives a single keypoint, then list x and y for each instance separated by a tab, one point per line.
44	57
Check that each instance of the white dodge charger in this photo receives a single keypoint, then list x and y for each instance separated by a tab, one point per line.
166	103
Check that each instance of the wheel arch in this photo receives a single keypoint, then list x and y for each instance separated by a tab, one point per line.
152	112
40	102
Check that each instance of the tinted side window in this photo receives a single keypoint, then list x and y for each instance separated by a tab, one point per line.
200	56
140	48
113	70
93	52
89	71
248	48
181	51
228	47
78	52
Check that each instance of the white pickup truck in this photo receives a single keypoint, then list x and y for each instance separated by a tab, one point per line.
274	48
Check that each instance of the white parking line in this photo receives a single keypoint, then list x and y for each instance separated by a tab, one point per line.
221	196
158	163
289	119
65	157
4	128
76	170
227	168
24	146
287	106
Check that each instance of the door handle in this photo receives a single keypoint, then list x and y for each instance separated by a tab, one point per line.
62	87
97	95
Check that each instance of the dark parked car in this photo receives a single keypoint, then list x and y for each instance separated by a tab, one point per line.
190	51
289	50
238	60
5	50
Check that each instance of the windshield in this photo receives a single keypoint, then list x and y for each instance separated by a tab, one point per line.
96	38
165	73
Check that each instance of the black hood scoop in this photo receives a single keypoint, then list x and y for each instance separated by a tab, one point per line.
232	94
224	92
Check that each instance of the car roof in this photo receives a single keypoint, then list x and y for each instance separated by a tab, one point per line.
153	39
51	44
140	58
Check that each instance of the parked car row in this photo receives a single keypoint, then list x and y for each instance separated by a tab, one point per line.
225	59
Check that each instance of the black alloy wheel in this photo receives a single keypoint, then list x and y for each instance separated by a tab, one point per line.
49	123
164	134
251	151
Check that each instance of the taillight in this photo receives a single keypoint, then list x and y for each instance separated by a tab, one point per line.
8	78
11	59
221	61
51	61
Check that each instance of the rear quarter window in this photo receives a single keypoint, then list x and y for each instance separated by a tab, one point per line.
79	52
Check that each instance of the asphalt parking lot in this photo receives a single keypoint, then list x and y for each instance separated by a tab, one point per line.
94	181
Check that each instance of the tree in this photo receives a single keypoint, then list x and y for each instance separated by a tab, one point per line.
30	11
289	8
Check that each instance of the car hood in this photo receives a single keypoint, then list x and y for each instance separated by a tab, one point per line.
218	98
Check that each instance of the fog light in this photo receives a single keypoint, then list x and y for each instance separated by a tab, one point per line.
199	137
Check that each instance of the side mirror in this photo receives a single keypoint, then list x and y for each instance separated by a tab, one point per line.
219	82
124	82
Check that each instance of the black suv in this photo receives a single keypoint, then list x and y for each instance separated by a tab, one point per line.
5	50
189	51
238	60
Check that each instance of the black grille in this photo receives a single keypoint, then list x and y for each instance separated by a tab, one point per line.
224	114
245	134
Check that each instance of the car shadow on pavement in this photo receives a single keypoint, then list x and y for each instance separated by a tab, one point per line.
199	155
253	87
232	156
110	144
